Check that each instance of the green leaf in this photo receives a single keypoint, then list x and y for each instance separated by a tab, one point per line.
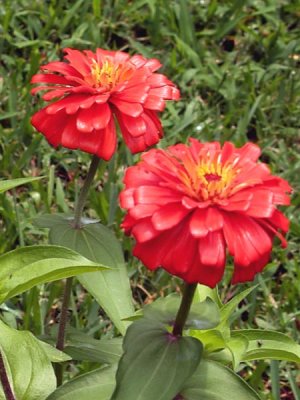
23	268
213	381
96	242
27	365
85	348
53	354
95	385
231	306
202	292
155	363
211	339
204	315
269	344
237	346
12	183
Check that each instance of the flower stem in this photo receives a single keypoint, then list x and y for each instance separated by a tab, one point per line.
84	191
60	343
5	382
184	309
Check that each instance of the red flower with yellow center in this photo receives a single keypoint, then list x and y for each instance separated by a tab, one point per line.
93	88
187	205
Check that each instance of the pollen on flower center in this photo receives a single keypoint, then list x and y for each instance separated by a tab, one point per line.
109	74
212	177
214	180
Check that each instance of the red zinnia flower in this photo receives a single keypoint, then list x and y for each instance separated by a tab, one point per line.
95	87
186	205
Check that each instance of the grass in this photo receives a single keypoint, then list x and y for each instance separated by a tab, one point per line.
237	65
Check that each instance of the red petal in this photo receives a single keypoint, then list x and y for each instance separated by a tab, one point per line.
137	176
70	135
157	80
79	61
168	216
204	221
153	64
135	126
96	117
212	250
261	204
49	78
155	103
62	68
144	231
71	103
240	201
247	240
132	109
249	151
155	195
136	94
108	143
244	274
197	224
138	61
126	198
50	126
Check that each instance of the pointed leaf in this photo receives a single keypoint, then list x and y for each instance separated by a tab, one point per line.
237	346
211	339
12	183
96	242
53	354
23	268
213	381
269	344
83	347
155	363
202	292
95	385
231	306
27	365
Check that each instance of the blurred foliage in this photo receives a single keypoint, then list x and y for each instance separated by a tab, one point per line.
237	65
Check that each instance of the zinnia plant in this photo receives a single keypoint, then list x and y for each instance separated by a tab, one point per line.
188	204
91	90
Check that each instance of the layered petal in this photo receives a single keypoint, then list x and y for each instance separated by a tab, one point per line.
89	88
186	206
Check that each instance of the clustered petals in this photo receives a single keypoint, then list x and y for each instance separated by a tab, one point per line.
91	90
187	206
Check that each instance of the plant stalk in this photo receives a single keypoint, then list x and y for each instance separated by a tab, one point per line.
5	382
84	191
184	309
60	344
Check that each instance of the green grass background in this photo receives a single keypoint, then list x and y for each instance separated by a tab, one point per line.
237	66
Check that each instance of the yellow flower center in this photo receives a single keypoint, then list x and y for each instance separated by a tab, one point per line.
213	179
109	74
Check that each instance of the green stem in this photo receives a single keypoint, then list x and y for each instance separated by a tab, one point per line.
60	344
5	382
184	309
84	191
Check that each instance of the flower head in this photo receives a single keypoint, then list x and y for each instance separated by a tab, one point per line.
187	205
90	89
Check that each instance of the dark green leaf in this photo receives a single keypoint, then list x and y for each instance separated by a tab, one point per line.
204	315
155	364
83	347
95	385
213	381
96	242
